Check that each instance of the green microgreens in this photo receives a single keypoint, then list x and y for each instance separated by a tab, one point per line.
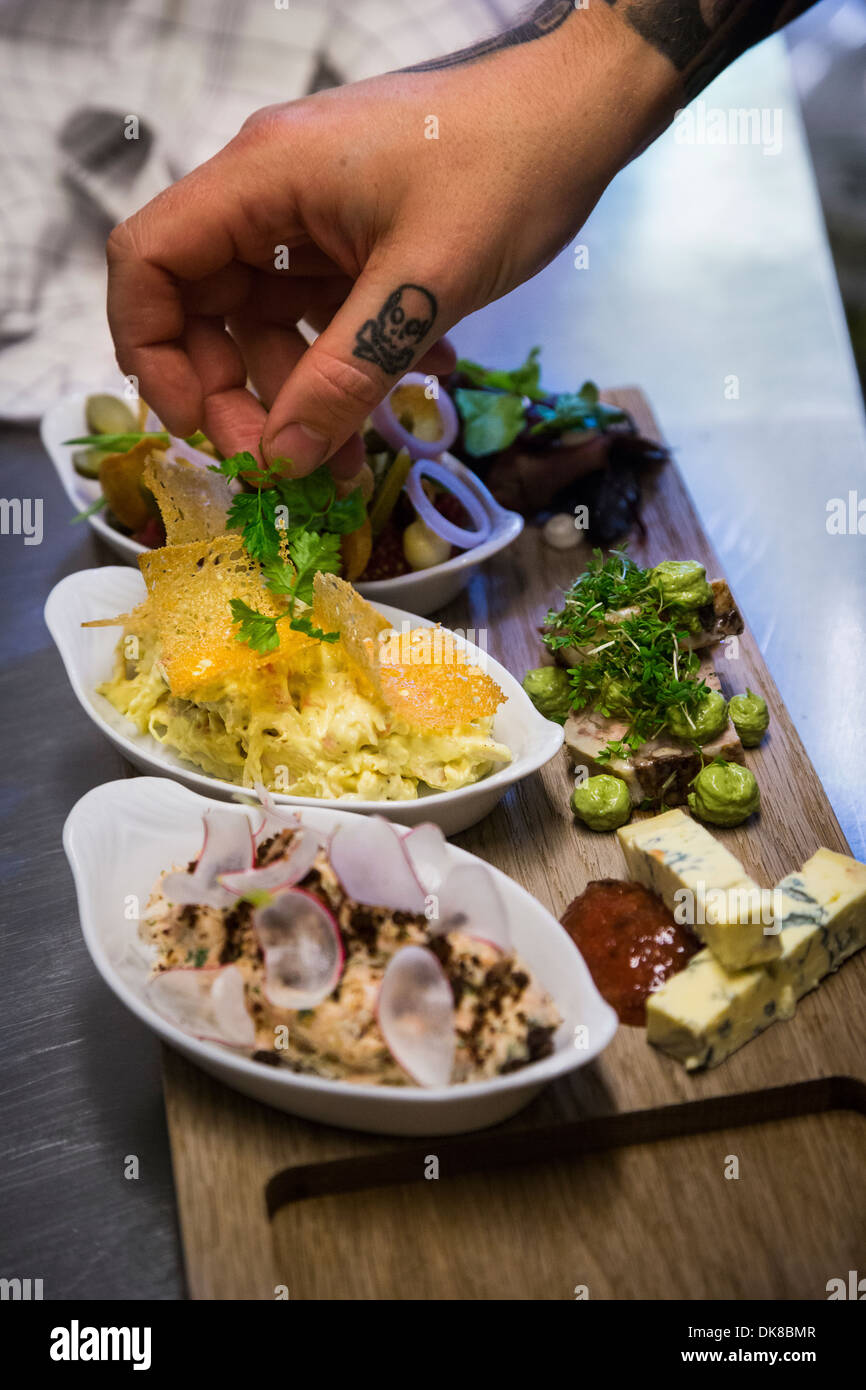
635	664
300	517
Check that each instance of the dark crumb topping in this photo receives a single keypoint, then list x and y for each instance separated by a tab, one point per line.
501	982
362	924
236	924
269	1058
539	1041
274	847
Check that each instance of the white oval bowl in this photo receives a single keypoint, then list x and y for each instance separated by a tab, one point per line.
121	835
423	591
88	655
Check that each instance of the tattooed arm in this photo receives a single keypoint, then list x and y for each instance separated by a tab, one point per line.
701	37
383	212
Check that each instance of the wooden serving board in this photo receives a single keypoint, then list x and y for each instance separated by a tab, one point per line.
267	1200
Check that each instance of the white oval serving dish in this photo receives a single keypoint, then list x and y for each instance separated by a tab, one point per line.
88	653
423	591
121	835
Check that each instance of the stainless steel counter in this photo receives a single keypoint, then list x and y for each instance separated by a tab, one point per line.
705	263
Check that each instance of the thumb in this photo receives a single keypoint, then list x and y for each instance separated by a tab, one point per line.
385	325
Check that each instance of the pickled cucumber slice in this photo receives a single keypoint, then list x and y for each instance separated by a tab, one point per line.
109	415
86	462
389	490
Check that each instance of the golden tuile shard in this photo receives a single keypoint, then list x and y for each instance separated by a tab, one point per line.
428	680
193	502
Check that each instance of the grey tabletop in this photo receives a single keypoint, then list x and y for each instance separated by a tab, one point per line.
709	284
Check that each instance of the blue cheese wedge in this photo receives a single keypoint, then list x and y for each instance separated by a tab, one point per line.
704	885
704	1013
822	918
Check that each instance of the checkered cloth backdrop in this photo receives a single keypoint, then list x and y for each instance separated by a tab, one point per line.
192	71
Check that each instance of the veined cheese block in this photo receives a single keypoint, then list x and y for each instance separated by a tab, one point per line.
822	913
704	885
704	1013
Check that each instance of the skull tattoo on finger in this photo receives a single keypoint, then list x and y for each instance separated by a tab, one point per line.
391	339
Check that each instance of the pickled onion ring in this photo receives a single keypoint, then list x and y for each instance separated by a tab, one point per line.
454	535
387	424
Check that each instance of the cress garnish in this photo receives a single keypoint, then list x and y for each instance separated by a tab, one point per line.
634	664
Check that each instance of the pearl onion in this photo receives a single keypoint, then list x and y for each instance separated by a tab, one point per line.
560	532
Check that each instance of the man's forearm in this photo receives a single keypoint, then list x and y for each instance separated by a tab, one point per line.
699	37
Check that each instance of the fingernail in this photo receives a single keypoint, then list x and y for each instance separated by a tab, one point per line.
299	446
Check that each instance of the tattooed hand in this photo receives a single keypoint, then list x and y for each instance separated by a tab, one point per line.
380	214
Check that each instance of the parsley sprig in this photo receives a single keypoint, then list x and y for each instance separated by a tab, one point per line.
292	526
634	663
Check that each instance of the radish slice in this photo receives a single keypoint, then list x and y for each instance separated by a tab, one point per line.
427	851
282	873
469	902
385	421
275	818
373	867
455	535
227	848
302	948
208	1003
417	1017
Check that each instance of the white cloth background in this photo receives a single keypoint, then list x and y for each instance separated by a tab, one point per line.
193	70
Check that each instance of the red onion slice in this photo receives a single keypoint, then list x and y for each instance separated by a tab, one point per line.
417	1017
373	868
302	949
455	535
385	421
227	848
427	851
282	873
209	1003
469	901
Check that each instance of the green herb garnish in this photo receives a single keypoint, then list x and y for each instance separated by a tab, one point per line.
521	381
299	517
122	443
634	664
89	511
495	413
577	410
491	420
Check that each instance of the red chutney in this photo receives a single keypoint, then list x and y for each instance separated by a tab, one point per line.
629	941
